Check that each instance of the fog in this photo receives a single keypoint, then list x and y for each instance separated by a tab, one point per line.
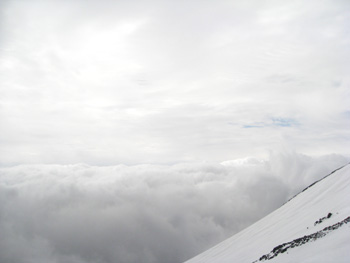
144	213
117	117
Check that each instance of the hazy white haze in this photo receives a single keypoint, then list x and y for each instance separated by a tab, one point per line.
106	82
148	131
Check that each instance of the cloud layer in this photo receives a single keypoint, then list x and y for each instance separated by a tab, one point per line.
162	82
145	213
133	82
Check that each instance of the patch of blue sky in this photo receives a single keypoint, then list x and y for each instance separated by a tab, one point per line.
253	126
284	122
346	114
274	122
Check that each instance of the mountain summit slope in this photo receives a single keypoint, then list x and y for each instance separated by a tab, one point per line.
314	226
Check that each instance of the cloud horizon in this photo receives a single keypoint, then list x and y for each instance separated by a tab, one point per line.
123	122
143	213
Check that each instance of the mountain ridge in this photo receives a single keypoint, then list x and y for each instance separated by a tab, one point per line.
293	225
341	167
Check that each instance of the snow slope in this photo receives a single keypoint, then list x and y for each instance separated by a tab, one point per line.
295	222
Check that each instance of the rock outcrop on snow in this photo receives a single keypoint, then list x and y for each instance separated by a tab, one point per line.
302	240
312	226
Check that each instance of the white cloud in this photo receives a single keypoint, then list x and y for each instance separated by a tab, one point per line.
143	213
162	82
166	82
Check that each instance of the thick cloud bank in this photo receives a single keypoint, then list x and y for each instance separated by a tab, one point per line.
145	213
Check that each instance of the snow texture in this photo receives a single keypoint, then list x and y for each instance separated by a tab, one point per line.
311	227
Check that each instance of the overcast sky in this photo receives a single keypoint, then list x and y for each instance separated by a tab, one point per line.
147	131
163	82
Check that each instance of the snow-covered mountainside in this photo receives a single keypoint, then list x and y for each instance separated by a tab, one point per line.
314	226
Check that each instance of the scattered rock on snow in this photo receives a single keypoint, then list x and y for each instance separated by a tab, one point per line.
302	240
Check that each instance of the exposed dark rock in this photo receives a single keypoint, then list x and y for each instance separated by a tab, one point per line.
319	221
302	240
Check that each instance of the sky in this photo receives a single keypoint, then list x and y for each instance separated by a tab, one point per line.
148	131
165	82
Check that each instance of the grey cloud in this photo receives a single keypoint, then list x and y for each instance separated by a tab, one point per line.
144	213
108	82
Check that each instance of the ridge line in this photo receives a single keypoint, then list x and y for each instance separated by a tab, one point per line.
319	180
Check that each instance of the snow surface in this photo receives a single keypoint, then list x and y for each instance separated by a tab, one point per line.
293	220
